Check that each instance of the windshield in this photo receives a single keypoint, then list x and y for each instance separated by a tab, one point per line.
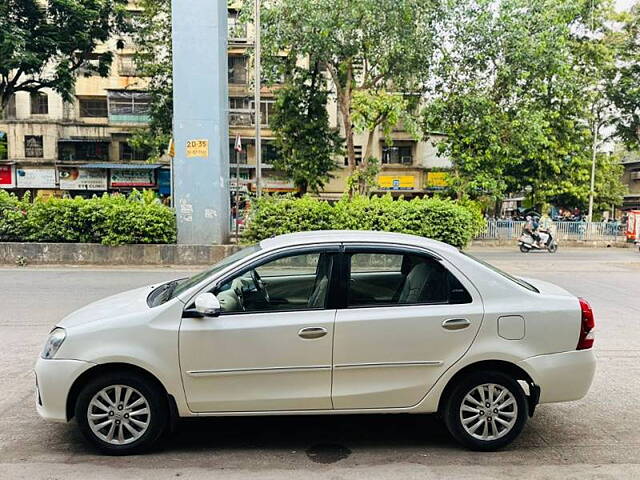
186	284
174	288
519	281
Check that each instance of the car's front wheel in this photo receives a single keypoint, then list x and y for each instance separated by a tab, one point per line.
122	413
486	410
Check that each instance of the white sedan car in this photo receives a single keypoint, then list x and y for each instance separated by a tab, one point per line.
321	323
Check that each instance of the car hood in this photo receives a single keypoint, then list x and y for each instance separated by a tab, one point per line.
547	288
124	303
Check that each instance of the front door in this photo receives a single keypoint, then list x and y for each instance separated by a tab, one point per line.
408	318
271	347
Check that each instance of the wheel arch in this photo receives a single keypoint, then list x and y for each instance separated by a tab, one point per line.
502	366
105	368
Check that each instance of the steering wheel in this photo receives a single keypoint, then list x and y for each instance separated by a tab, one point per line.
260	285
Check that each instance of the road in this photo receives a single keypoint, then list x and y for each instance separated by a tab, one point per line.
597	437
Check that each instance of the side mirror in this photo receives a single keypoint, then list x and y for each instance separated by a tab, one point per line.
208	305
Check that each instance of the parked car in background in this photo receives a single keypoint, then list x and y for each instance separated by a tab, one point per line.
321	323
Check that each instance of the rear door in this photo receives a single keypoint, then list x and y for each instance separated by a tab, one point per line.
408	317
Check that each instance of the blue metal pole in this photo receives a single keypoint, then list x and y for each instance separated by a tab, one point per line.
200	121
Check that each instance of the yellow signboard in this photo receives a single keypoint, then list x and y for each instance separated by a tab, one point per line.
405	182
437	180
197	148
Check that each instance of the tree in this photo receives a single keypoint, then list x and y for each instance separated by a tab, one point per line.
306	142
45	44
366	46
152	34
520	95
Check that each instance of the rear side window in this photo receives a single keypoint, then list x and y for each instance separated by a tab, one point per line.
384	278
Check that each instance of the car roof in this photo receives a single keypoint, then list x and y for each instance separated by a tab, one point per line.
353	236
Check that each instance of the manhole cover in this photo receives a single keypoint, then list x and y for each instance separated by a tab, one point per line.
328	453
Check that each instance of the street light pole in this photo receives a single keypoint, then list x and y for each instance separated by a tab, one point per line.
594	152
256	101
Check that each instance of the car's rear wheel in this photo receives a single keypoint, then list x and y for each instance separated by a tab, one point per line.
122	413
486	410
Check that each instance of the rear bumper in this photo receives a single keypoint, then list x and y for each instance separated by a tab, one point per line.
562	377
54	379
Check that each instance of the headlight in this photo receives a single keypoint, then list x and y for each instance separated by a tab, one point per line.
56	337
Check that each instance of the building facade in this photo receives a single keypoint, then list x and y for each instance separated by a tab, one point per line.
81	147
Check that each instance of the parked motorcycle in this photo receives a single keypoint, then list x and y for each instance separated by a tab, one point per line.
547	242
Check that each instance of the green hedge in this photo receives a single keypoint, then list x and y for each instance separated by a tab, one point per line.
110	220
435	218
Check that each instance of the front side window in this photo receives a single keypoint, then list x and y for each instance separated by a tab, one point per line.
39	103
382	278
293	282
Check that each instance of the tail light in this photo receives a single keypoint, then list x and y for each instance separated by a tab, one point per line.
587	325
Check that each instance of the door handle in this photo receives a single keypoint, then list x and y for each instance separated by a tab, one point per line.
312	332
456	323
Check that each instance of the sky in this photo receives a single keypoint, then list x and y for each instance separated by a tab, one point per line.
625	4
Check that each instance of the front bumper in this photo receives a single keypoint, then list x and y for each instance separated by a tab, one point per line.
562	377
54	379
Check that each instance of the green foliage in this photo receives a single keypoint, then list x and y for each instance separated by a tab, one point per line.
44	44
439	219
110	220
152	34
363	178
305	141
520	93
365	45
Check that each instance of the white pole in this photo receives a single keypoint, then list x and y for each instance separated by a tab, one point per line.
594	151
256	100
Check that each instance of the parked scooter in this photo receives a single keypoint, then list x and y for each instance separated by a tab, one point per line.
547	242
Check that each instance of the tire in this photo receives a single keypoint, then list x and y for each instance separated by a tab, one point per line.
524	249
498	435
553	248
139	430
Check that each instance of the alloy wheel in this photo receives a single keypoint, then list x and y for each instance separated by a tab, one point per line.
488	412
119	414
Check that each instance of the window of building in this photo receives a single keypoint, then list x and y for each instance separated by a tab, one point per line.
127	66
93	107
237	30
234	156
83	150
358	151
129	103
267	108
293	282
269	153
384	278
3	145
91	64
10	112
33	146
401	155
128	153
39	103
237	69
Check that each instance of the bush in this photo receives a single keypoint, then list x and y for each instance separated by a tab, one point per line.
439	219
110	220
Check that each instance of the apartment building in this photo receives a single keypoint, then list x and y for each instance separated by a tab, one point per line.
81	147
408	167
631	178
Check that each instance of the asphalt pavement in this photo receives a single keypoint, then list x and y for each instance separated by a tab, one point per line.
597	437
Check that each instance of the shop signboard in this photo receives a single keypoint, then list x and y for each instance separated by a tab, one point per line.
403	182
133	177
72	178
36	177
436	180
7	176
